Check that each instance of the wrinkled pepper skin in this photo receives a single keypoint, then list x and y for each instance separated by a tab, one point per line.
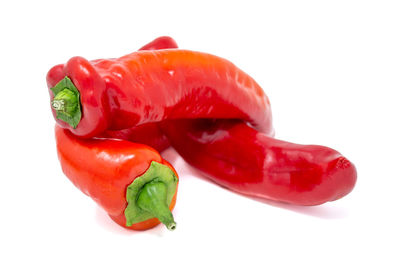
240	158
148	134
152	86
103	168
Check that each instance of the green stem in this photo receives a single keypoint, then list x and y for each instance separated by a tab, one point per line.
66	102
153	199
58	104
150	195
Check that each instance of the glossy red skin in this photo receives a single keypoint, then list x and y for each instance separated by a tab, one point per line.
152	86
83	75
240	158
163	42
148	134
104	168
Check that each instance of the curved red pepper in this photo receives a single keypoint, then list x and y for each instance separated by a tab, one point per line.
104	169
240	158
151	86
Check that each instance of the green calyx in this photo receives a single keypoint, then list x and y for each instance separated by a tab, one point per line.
150	195
66	102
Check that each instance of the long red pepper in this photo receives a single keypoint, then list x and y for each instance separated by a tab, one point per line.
239	158
150	86
244	160
131	182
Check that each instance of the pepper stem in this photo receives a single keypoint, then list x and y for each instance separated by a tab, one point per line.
153	199
66	102
150	195
58	104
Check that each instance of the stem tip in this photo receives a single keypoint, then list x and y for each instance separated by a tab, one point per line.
171	226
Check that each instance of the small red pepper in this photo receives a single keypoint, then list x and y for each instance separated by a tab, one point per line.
151	86
131	182
244	160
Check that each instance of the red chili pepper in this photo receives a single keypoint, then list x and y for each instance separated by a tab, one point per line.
131	182
240	158
151	86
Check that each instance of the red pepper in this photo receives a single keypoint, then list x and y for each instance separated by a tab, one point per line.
234	155
150	86
244	160
131	182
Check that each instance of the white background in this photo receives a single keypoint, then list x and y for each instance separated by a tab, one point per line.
332	72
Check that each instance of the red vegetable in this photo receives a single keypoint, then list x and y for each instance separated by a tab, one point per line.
244	160
131	182
152	86
234	155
